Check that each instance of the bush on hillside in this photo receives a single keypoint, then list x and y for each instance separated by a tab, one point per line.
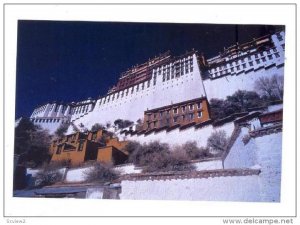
101	172
193	151
217	141
49	174
240	101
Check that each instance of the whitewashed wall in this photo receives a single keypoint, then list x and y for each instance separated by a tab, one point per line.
76	175
263	152
178	137
237	188
127	169
132	107
227	85
208	165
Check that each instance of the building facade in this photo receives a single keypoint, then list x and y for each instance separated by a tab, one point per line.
180	114
78	148
166	81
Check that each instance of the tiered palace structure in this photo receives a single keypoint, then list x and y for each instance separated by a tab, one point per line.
168	92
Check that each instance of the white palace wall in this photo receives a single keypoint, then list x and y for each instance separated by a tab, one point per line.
227	85
261	152
186	87
179	137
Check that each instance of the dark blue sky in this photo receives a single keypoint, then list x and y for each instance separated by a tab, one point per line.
71	61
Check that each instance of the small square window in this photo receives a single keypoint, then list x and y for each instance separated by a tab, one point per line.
175	110
191	116
199	105
80	148
200	114
175	119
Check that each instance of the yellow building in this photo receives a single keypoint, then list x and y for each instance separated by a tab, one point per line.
78	148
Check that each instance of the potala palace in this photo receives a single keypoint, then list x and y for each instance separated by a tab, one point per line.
168	99
166	81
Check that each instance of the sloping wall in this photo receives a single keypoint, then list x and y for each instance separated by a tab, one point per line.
261	152
236	188
178	137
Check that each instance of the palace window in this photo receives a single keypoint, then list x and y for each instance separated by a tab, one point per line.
238	68
161	114
191	106
148	83
277	55
250	63
270	57
244	66
200	114
261	53
256	56
199	105
274	49
283	46
80	148
94	136
183	118
263	59
191	116
257	61
164	77
155	124
175	110
249	57
183	108
175	119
